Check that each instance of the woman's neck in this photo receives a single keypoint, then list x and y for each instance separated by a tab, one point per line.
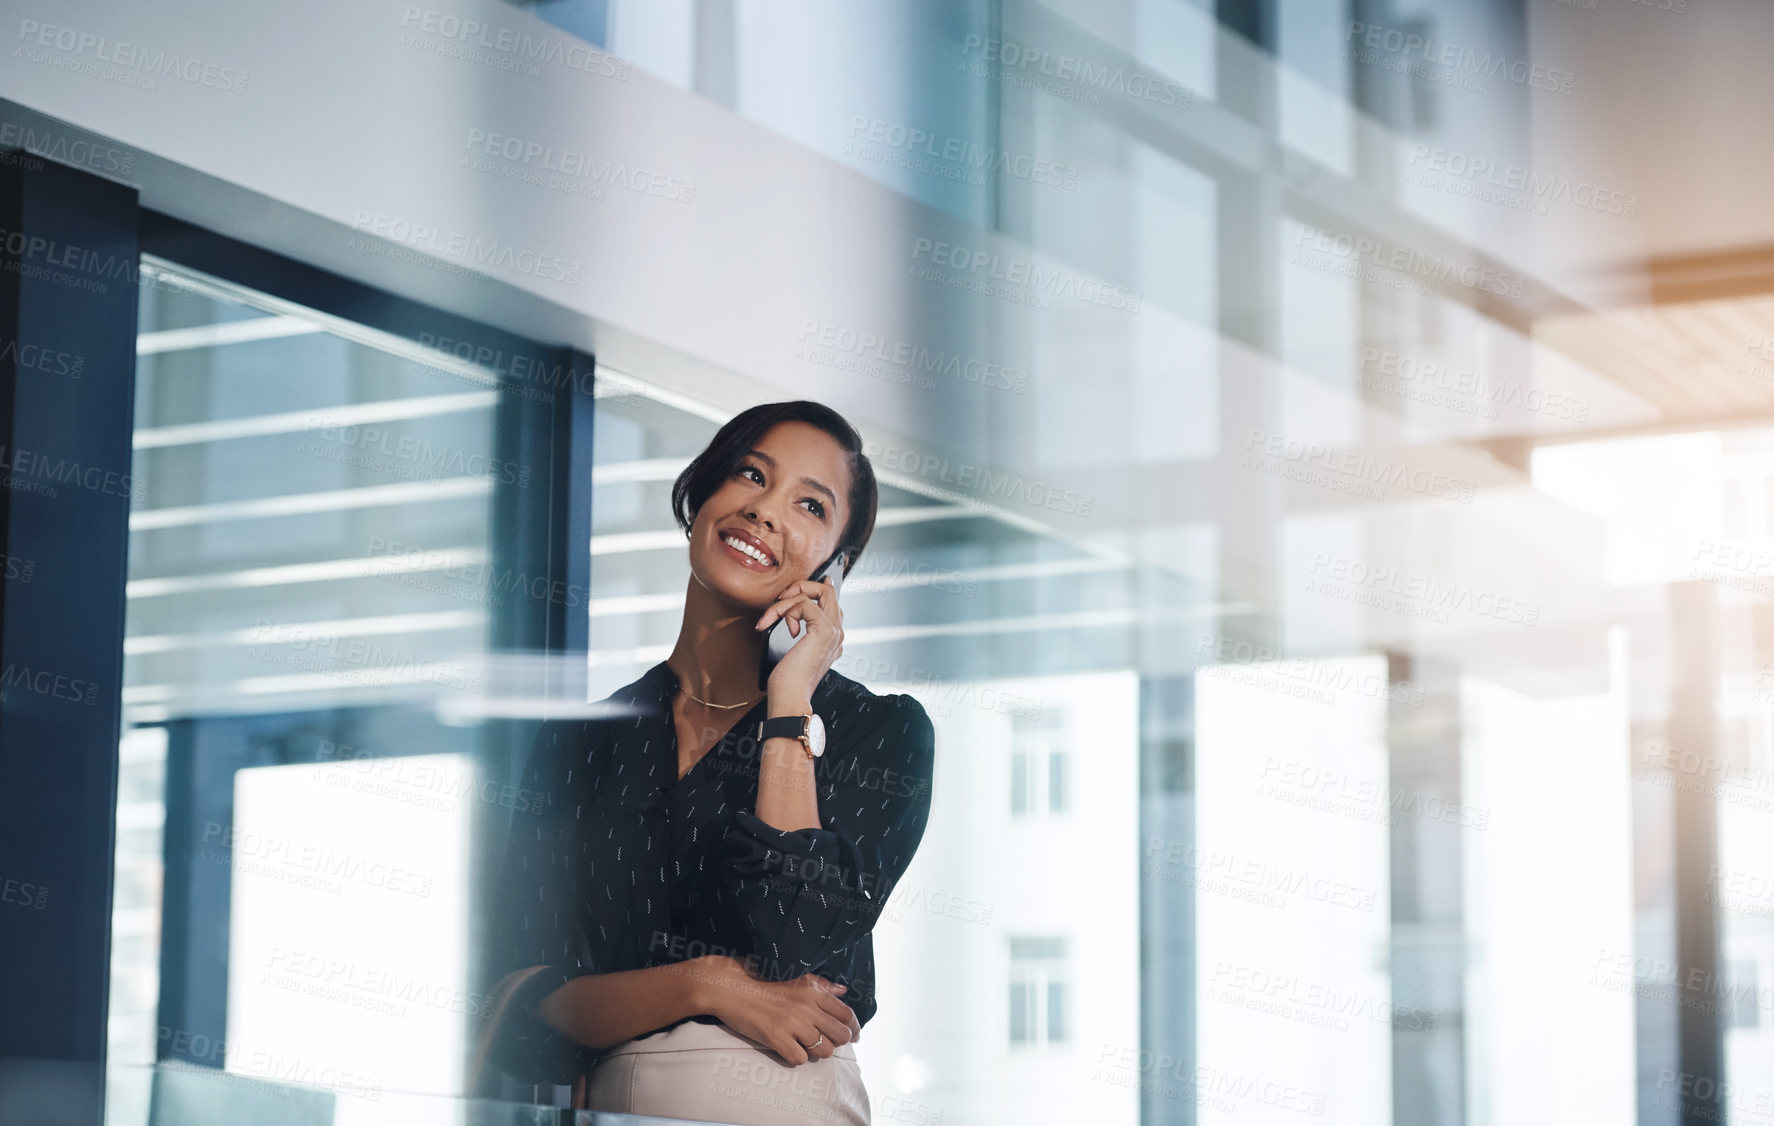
718	649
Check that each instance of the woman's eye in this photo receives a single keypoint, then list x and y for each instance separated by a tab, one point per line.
757	475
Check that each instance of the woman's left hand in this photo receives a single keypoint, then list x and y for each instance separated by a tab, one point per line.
811	608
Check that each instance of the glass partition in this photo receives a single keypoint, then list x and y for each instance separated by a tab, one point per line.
1348	665
1324	512
309	546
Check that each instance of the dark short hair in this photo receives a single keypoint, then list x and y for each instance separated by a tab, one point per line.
711	468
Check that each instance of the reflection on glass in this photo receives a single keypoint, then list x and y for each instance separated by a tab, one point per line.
307	587
1332	750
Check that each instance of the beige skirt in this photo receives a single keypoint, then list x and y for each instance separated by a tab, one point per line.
712	1073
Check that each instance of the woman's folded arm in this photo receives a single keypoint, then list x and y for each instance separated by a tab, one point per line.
806	895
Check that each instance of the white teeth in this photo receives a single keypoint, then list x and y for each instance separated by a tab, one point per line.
734	541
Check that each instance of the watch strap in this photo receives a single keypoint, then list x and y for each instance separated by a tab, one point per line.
787	727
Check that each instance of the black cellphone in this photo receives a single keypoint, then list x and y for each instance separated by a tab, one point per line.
777	639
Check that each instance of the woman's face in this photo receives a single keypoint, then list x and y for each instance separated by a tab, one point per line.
786	501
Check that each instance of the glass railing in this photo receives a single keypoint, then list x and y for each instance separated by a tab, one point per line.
186	1095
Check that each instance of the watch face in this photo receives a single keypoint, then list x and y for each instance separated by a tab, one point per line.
816	735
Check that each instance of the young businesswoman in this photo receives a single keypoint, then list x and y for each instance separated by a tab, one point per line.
689	918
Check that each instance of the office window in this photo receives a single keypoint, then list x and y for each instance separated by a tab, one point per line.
1038	768
1038	981
1743	1008
310	590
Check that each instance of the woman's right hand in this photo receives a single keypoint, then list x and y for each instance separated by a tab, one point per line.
784	1015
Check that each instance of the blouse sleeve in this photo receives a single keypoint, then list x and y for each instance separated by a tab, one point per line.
807	895
538	921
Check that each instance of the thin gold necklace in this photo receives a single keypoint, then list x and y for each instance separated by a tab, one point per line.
722	707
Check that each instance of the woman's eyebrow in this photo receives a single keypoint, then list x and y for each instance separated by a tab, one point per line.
808	481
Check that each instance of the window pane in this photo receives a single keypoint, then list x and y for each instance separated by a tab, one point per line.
1019	1012
309	591
1056	1011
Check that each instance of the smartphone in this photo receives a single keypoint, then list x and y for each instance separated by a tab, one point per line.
777	639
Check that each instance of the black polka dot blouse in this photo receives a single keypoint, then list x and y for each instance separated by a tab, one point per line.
624	865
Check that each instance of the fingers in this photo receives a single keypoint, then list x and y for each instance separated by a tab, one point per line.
830	1034
822	594
844	1014
780	608
837	1030
796	609
831	1002
792	1051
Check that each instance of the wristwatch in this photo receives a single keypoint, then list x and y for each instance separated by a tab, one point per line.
809	729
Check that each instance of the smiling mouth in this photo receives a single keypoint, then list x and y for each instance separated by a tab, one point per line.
749	550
